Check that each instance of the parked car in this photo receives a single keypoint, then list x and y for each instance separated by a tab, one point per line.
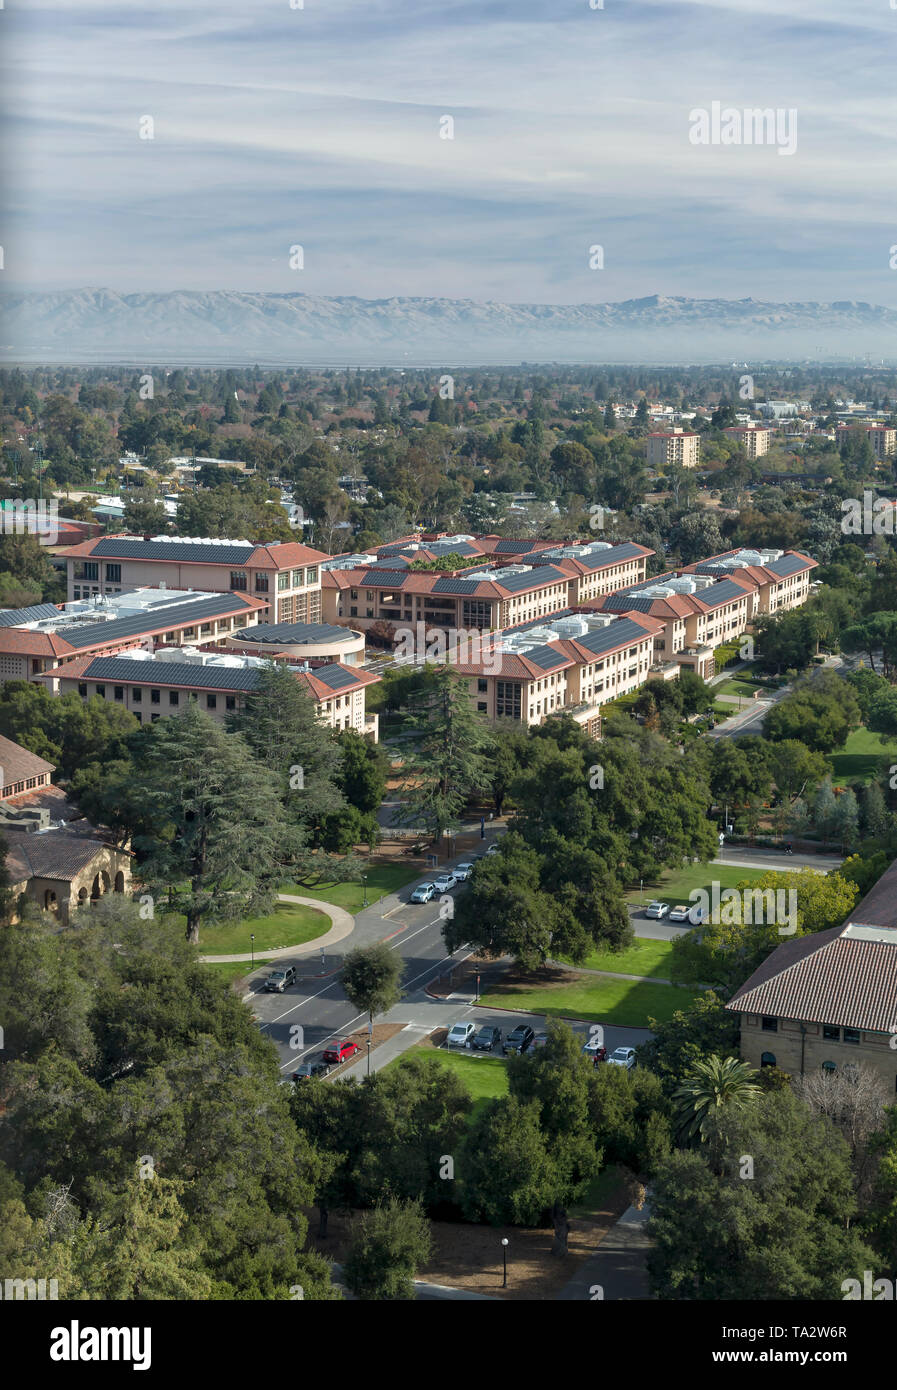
518	1040
622	1057
657	909
460	1035
337	1052
679	913
463	871
539	1040
423	892
594	1048
443	882
493	849
692	913
487	1038
308	1070
278	980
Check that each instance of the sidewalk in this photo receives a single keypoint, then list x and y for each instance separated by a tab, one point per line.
342	923
619	1266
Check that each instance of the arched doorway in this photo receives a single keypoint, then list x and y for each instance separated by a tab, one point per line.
768	1059
119	882
50	901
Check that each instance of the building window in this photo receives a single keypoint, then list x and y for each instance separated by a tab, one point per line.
768	1059
230	702
238	579
482	686
153	718
283	581
482	706
211	701
769	1025
297	579
261	583
852	1036
136	695
82	689
353	611
353	593
101	691
173	697
155	697
831	1032
113	574
311	575
118	692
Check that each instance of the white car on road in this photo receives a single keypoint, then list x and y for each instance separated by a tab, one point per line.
657	909
462	872
444	882
622	1057
460	1035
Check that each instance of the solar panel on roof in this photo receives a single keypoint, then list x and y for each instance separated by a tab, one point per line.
456	586
337	677
723	592
544	657
178	551
14	617
620	602
298	633
183	614
616	634
114	668
510	547
534	579
383	579
788	564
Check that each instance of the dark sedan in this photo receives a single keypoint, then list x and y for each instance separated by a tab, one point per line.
487	1039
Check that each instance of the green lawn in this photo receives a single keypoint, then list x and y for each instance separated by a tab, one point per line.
736	687
381	879
288	925
484	1075
675	887
644	958
860	757
230	969
594	999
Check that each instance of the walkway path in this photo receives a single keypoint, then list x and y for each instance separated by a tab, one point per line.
618	1269
342	923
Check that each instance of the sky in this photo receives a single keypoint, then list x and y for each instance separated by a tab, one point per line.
320	127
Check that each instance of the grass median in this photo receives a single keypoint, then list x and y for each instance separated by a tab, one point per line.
591	998
289	924
382	879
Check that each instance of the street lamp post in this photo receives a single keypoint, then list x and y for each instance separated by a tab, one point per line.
252	939
477	999
364	880
369	1049
504	1251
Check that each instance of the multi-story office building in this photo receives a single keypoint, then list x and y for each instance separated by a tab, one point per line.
285	575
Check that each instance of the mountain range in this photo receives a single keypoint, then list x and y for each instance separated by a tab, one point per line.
221	327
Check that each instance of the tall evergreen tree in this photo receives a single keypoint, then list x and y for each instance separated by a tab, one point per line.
449	762
220	837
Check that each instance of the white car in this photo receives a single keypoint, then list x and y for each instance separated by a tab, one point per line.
444	882
657	909
460	1035
622	1057
462	872
679	913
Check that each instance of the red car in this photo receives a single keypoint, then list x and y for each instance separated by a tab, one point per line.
338	1051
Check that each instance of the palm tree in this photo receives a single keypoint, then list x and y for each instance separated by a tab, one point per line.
712	1085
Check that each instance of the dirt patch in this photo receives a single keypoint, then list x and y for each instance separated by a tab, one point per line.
381	1034
470	1257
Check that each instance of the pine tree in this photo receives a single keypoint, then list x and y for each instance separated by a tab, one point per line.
450	761
220	837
